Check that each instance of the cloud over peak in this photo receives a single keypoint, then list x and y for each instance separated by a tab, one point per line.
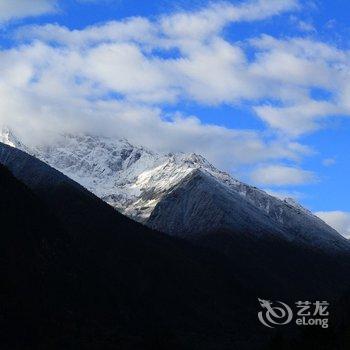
339	220
282	175
16	9
131	78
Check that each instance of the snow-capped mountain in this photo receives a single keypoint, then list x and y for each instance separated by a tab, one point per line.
180	194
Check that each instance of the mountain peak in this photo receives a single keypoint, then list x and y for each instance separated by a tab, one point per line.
139	182
8	137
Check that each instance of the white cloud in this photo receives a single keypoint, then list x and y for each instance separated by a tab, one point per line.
110	78
179	29
50	89
211	70
211	20
281	175
298	118
208	70
339	220
329	161
294	69
134	29
306	26
15	9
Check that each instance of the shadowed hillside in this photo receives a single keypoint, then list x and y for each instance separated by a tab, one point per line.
76	273
108	282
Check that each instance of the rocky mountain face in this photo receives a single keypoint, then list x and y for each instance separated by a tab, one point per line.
180	194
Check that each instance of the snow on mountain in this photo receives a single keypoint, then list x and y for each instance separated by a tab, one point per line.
204	204
139	182
9	138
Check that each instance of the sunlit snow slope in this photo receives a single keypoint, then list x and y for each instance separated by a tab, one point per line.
181	194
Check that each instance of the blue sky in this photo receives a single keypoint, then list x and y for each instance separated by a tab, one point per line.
261	88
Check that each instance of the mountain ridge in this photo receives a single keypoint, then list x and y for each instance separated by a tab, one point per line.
137	182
